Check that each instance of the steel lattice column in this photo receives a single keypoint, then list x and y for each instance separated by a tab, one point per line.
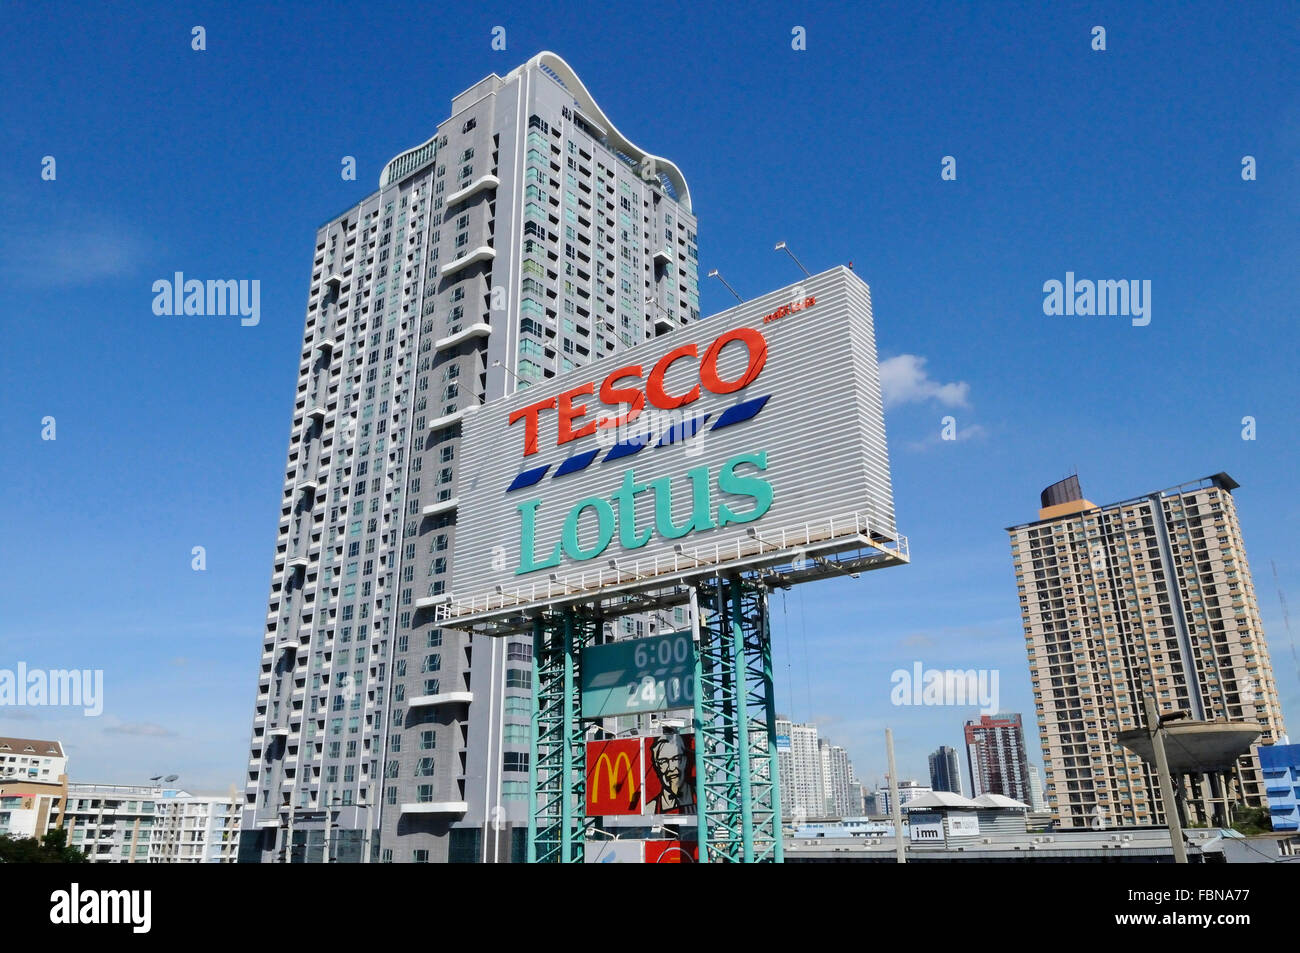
557	767
735	724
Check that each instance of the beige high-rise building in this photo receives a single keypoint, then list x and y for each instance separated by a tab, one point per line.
1149	595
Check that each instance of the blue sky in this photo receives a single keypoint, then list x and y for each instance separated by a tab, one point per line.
171	432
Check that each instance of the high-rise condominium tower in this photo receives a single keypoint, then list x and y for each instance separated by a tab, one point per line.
945	770
1148	596
799	763
526	237
995	752
837	780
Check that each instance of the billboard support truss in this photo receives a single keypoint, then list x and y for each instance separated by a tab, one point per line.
738	785
735	724
557	766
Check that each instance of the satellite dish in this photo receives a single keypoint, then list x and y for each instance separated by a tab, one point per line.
156	777
171	777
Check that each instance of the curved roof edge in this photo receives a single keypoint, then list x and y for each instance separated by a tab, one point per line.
392	174
585	101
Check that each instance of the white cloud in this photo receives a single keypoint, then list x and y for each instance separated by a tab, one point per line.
904	380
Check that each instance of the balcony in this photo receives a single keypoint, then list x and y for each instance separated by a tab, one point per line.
428	602
296	562
482	253
479	329
663	257
446	420
488	181
444	698
435	807
443	506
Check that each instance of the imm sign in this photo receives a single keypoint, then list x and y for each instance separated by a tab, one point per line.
742	438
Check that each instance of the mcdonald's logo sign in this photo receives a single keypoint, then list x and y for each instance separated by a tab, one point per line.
615	777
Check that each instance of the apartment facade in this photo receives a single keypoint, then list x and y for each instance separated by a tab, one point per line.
1148	596
110	823
28	761
838	785
907	791
996	756
33	783
195	828
799	768
945	771
525	238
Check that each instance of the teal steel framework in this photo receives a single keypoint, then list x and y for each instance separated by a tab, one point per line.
737	779
736	764
557	766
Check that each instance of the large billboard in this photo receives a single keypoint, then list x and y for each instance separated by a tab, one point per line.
745	437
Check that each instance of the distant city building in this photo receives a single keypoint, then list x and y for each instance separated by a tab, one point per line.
945	770
907	791
1036	800
817	777
1280	765
800	770
31	761
995	752
195	829
1151	595
110	823
837	788
33	783
142	823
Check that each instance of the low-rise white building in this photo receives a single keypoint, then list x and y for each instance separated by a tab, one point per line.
195	829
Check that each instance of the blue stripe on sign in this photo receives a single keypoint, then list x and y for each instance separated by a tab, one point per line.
683	430
528	478
574	464
741	412
627	447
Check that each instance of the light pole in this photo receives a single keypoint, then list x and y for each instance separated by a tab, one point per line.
781	246
502	365
1155	728
715	274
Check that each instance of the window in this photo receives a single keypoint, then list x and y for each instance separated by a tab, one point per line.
516	761
519	678
514	790
517	734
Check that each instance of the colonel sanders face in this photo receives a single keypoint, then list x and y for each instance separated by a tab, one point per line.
669	757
